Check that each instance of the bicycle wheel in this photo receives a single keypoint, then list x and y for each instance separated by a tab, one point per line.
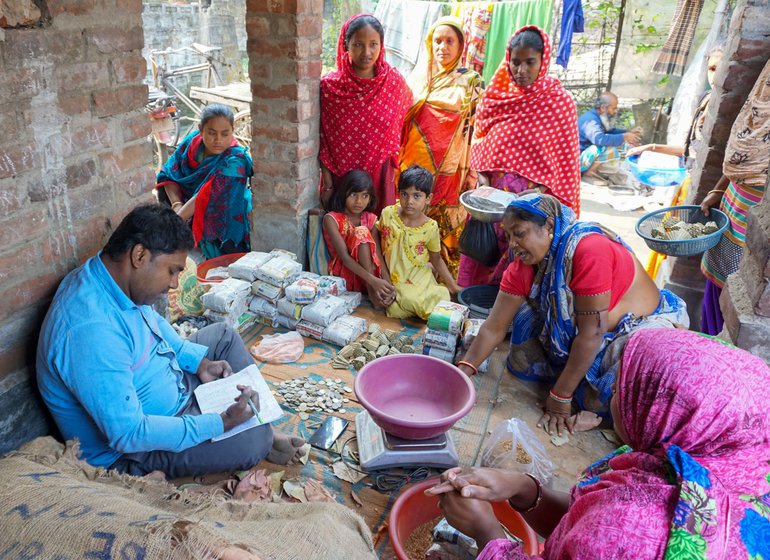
242	128
159	153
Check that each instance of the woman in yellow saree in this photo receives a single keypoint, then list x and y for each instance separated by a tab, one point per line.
438	130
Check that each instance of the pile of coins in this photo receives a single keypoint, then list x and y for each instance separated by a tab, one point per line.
377	344
306	395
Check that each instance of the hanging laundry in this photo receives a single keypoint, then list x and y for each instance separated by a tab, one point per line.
406	25
572	21
673	57
475	27
507	17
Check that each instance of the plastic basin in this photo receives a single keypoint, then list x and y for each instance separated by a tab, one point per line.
413	508
412	396
221	260
653	176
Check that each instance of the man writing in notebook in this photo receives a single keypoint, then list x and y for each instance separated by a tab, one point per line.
115	374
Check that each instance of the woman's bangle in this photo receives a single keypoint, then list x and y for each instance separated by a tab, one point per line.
173	204
537	498
716	191
470	365
559	399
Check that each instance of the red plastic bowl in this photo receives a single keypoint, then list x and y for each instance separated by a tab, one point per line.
412	396
413	508
221	260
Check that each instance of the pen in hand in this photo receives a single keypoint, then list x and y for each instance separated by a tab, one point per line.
255	411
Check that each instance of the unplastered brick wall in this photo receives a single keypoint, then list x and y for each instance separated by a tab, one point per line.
284	47
747	48
74	159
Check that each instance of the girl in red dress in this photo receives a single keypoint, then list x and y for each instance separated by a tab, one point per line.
348	235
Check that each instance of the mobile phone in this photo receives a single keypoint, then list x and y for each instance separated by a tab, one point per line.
325	436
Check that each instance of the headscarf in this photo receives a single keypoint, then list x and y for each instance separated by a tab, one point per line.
531	131
747	154
219	184
549	312
361	118
438	136
694	482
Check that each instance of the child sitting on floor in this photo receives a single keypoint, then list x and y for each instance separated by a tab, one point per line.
348	236
410	247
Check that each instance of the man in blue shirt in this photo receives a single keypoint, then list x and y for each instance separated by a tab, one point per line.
601	143
116	375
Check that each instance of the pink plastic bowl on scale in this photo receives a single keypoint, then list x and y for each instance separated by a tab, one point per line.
412	396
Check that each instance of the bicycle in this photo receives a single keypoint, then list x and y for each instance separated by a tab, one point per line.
162	80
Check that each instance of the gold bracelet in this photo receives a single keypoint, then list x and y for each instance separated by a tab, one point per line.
173	204
715	191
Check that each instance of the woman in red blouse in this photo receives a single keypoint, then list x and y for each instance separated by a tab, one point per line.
574	292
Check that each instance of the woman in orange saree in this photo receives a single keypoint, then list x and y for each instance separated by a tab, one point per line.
438	129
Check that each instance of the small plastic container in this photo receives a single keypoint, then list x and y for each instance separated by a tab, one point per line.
221	260
655	177
413	508
479	299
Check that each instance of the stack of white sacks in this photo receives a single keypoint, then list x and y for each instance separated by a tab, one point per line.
445	324
271	288
449	329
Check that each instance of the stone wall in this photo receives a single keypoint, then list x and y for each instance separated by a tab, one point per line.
284	47
74	158
746	51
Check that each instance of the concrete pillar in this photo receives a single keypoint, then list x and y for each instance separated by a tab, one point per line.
747	49
284	46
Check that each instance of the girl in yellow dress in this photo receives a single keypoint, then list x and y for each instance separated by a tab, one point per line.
410	249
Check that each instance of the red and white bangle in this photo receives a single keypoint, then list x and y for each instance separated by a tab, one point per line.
559	399
470	365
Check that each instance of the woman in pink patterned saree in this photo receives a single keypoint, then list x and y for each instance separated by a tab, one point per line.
693	481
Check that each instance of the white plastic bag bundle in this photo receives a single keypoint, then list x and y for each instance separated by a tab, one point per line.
246	267
324	310
289	309
279	271
283	253
286	322
279	348
514	446
266	312
332	285
344	330
226	296
302	291
440	339
470	331
266	290
353	300
311	330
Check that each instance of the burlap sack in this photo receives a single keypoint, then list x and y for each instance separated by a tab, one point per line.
54	506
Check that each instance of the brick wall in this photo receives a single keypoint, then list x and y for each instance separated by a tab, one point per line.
284	47
73	159
746	51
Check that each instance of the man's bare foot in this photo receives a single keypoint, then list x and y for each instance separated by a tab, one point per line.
286	449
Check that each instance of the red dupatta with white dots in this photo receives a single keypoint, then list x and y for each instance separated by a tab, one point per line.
531	131
361	118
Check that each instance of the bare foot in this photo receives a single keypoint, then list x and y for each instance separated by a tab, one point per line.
286	449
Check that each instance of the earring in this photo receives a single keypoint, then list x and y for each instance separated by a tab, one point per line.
550	236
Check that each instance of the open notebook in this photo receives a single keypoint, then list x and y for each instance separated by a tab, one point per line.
217	396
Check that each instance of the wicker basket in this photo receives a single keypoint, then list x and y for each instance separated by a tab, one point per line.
690	214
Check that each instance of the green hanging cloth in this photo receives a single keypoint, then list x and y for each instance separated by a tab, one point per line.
507	18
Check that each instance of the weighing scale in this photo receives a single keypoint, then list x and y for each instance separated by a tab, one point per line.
380	450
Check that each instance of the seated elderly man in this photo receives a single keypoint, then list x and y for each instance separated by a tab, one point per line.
601	143
116	375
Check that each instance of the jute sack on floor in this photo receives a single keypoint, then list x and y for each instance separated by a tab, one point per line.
54	506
